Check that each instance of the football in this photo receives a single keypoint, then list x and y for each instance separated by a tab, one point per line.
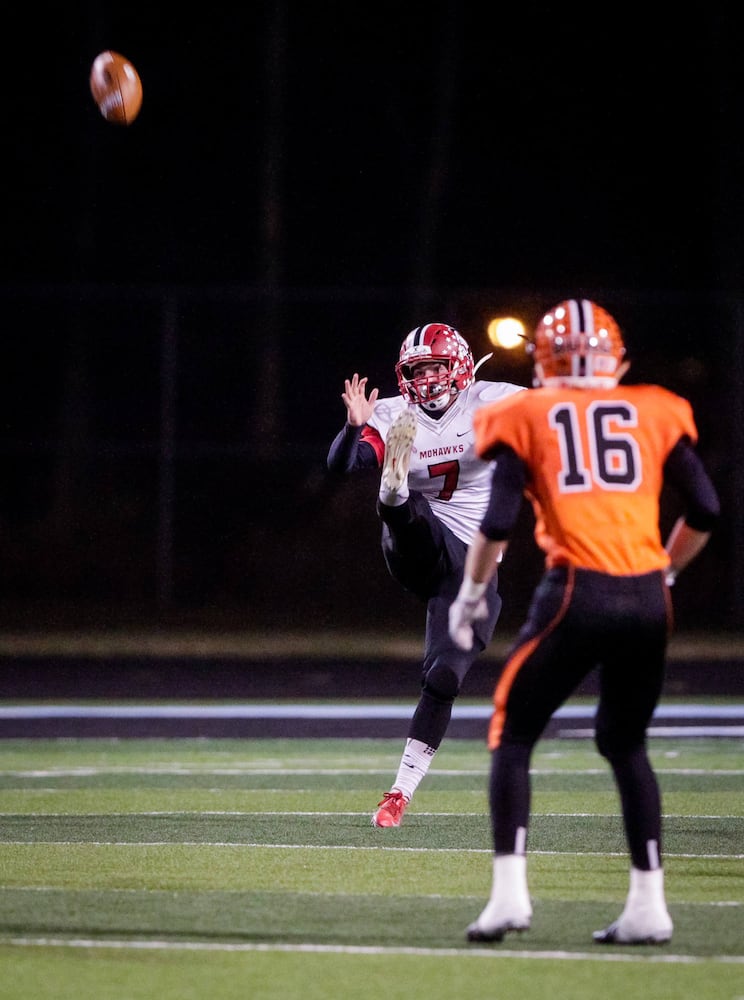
116	88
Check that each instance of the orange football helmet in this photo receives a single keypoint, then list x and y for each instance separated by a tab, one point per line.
578	343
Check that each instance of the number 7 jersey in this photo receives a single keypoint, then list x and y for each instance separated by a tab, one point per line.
595	461
444	465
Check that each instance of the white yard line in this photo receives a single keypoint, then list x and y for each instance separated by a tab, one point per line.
475	952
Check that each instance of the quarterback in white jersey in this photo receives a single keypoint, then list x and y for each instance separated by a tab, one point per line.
434	491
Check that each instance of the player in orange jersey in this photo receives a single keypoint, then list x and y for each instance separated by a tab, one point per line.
592	457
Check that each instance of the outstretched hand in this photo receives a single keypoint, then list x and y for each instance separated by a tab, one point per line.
358	407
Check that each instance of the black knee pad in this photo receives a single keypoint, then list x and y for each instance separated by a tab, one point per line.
441	682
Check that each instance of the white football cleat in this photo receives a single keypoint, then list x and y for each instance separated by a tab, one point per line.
398	451
498	918
645	919
643	926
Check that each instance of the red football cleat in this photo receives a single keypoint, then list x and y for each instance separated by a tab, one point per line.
390	810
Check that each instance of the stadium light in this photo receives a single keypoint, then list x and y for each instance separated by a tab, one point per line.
506	332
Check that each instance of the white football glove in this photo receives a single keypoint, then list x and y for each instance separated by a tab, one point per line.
469	606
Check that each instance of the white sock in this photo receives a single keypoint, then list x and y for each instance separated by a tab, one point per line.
414	764
510	880
646	889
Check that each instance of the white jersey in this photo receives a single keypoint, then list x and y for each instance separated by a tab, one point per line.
444	466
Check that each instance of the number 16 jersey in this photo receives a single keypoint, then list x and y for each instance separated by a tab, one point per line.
595	461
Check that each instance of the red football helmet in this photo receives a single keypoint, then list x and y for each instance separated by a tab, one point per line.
578	343
434	342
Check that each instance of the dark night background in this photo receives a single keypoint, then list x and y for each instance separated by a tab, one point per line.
183	298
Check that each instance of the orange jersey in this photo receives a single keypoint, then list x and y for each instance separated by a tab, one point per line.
595	460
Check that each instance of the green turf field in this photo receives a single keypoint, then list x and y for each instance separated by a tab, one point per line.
249	868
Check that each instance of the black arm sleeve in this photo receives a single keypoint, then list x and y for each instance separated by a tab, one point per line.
348	452
507	491
685	471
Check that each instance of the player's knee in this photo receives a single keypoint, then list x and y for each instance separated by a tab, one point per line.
615	745
441	682
604	744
